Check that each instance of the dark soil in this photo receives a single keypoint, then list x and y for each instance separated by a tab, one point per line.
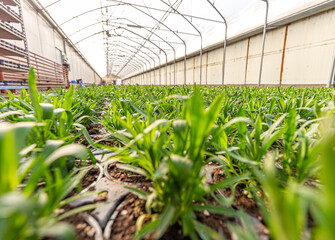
124	226
90	177
244	202
241	196
218	175
123	176
82	228
93	131
111	143
215	221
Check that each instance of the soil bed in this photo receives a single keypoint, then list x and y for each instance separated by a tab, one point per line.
90	177
124	226
123	176
241	198
82	228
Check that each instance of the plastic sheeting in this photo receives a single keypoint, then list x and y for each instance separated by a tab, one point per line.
137	34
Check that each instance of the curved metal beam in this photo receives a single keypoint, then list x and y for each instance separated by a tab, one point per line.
161	10
129	63
119	58
163	24
148	40
175	10
125	49
117	35
118	55
160	74
174	50
134	6
225	40
143	52
89	11
137	55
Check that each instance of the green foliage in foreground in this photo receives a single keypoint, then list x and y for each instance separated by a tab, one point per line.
270	140
37	172
275	143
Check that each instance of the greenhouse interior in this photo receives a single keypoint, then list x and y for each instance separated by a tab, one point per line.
167	119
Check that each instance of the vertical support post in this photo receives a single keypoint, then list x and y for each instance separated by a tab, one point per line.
200	35
154	74
224	58
264	38
332	73
166	73
283	56
145	75
185	68
66	69
160	72
225	41
200	62
331	78
170	75
207	68
194	70
174	68
247	62
141	78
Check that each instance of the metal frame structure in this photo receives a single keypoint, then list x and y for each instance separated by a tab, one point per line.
135	6
130	39
331	78
201	39
174	50
171	10
225	40
131	61
263	44
141	51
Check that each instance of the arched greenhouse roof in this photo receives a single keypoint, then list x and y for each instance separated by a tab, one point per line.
131	35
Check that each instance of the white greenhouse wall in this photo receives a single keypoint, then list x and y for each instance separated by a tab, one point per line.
309	52
43	39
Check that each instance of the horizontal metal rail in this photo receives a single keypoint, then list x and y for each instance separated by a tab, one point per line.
49	74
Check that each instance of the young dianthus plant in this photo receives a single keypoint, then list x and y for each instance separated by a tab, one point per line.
31	186
53	113
179	187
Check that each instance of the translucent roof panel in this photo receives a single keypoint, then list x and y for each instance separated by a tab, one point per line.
132	35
